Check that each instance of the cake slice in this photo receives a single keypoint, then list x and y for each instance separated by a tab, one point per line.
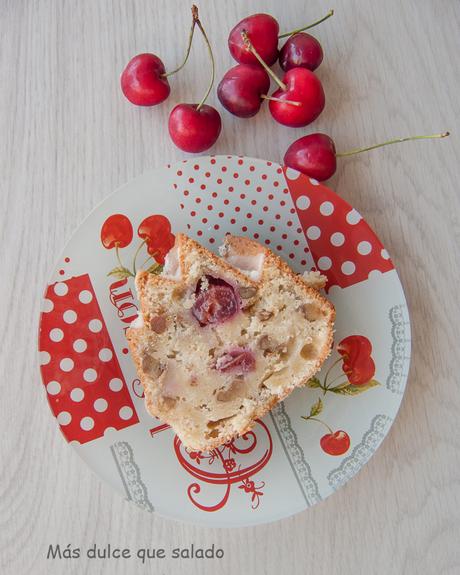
220	340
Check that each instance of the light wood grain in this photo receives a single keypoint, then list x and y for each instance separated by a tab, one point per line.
68	138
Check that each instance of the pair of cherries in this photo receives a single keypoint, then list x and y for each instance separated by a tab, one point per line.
192	127
253	43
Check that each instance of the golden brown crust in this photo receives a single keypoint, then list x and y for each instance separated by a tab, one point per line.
244	245
187	244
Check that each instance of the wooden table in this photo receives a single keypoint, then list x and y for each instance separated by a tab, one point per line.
68	139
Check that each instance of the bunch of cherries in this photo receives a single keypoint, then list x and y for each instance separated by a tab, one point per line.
144	81
298	100
253	43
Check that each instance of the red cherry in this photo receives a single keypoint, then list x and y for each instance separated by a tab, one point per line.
358	364
241	89
313	155
262	30
196	127
143	81
304	87
156	231
301	50
216	304
238	361
336	443
116	231
192	129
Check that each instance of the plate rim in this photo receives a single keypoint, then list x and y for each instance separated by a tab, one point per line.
199	519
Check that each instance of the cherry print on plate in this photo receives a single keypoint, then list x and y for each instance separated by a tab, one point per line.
357	361
336	443
156	232
116	231
356	373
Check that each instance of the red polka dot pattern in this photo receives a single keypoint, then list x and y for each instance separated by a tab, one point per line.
343	246
235	193
86	388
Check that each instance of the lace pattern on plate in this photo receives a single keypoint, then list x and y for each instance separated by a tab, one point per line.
136	490
400	348
295	455
361	453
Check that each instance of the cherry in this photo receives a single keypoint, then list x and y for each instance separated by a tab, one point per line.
335	443
144	81
242	89
263	30
301	50
116	232
192	129
196	127
238	361
155	230
300	98
304	87
315	155
358	365
216	304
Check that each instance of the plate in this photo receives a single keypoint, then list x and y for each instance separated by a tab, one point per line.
308	446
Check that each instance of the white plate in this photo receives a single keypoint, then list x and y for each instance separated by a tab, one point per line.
286	464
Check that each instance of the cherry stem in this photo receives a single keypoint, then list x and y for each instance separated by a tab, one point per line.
151	257
312	25
137	253
309	418
118	255
292	102
329	371
143	263
336	379
395	141
269	71
211	55
187	53
117	252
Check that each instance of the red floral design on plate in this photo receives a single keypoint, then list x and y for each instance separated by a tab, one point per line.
225	466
